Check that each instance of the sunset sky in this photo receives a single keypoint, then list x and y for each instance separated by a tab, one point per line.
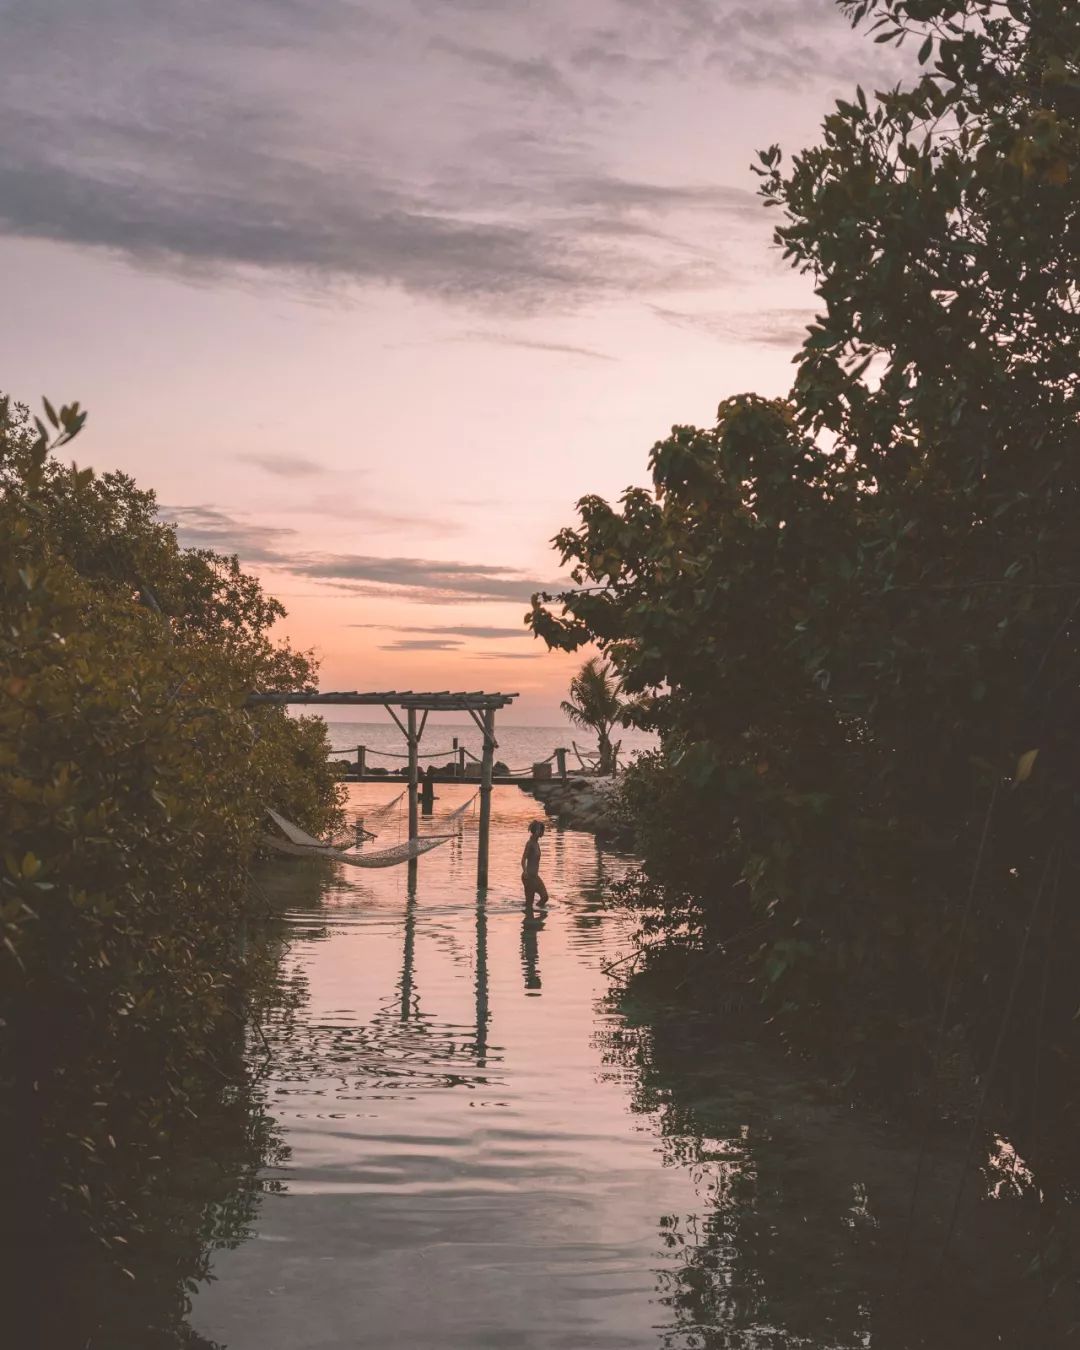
370	293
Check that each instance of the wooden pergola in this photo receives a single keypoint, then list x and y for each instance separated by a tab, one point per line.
480	706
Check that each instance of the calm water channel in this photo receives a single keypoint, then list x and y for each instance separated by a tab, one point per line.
486	1149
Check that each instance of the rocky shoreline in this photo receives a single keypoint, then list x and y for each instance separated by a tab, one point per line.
582	804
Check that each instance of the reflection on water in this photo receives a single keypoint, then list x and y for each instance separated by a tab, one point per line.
482	1146
530	953
217	1156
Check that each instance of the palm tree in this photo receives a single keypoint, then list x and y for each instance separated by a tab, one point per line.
596	703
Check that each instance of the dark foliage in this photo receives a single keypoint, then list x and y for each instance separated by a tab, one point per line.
856	610
132	783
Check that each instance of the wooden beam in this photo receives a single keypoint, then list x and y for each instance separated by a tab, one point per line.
397	719
483	725
441	700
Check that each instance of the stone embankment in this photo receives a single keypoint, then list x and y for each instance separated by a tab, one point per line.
582	803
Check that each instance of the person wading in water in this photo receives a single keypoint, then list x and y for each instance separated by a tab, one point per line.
530	868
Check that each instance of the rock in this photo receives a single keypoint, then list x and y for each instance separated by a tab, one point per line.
579	802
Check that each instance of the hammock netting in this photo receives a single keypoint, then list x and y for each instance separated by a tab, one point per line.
300	844
294	833
399	853
301	837
378	812
459	811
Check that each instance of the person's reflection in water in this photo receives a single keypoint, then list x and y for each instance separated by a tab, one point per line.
530	951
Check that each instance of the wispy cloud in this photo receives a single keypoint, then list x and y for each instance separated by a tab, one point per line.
420	578
768	327
420	645
609	192
434	581
535	73
463	630
461	151
374	519
283	466
209	527
777	43
534	345
175	137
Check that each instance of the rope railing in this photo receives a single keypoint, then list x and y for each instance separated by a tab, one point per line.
521	773
452	756
431	754
395	754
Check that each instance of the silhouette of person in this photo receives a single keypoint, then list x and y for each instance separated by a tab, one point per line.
530	868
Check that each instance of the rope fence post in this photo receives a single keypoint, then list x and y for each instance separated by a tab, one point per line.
361	760
560	756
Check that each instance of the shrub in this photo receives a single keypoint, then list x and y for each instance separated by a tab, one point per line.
132	784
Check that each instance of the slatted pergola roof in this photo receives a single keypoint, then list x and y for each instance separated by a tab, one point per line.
443	701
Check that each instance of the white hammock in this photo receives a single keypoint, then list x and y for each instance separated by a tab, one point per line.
295	834
399	853
299	836
383	857
302	844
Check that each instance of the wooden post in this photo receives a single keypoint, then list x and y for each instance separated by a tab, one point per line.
413	830
461	761
361	760
485	798
560	758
